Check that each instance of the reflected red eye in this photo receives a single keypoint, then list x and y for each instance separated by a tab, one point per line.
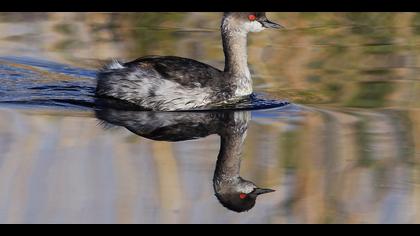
252	17
242	196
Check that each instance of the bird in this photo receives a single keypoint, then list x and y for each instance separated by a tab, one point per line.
171	83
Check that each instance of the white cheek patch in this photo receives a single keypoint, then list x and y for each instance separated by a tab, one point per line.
247	189
254	26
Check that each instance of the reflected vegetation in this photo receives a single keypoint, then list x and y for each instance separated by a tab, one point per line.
345	151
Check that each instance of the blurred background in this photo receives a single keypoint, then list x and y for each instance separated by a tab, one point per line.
349	154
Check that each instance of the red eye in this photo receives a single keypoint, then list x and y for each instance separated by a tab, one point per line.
252	17
242	196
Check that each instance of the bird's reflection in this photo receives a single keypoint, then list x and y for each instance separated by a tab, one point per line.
233	192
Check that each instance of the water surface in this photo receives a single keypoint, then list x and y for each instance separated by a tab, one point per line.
346	150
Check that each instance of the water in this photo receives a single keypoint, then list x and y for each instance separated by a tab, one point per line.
345	150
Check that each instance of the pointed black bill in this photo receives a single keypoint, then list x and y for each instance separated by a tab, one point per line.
259	191
269	24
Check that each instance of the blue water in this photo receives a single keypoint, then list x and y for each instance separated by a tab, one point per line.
39	83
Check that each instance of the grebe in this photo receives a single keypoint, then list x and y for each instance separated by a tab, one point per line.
169	83
232	191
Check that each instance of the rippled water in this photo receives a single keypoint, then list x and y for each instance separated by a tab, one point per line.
345	150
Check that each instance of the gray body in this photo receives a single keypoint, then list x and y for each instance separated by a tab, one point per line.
168	83
164	83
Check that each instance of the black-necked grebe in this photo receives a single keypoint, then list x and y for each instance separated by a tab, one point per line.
168	83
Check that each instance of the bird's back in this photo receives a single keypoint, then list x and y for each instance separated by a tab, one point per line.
185	71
